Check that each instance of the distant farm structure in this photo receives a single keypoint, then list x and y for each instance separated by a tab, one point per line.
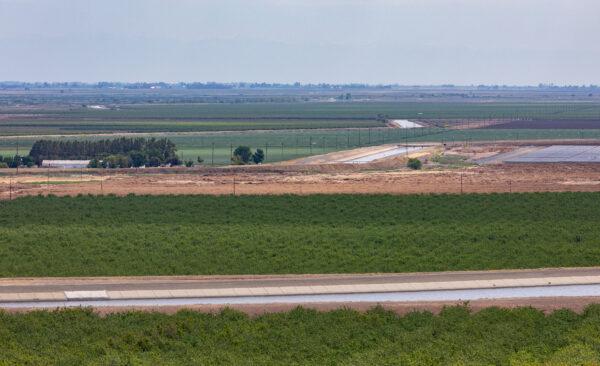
65	164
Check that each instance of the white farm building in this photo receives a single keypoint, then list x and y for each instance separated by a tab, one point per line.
65	163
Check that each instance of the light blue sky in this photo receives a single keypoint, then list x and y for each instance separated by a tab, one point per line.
335	41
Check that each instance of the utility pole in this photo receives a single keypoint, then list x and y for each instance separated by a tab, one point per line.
212	155
18	160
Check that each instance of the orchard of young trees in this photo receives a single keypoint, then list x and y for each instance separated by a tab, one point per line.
117	153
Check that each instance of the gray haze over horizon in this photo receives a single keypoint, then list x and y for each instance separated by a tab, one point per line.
407	42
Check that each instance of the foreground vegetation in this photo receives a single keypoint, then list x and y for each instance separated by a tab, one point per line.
493	336
163	235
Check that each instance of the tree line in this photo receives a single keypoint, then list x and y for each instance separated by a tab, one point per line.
116	153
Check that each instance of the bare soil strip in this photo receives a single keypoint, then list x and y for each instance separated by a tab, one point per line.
344	178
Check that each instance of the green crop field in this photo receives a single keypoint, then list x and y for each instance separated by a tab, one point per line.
289	144
258	116
178	235
522	336
438	135
288	130
278	145
86	126
342	110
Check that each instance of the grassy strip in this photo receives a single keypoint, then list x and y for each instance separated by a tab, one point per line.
492	336
164	235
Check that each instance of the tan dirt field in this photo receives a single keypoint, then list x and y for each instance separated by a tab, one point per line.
306	180
318	174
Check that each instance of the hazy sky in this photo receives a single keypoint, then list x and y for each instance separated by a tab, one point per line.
335	41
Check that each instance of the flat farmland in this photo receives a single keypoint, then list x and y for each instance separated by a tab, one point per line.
573	124
180	235
381	178
505	134
344	110
255	116
290	144
83	126
278	144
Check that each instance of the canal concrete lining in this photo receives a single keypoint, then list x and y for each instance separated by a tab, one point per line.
556	291
292	288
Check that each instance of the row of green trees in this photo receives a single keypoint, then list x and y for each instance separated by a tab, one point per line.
117	153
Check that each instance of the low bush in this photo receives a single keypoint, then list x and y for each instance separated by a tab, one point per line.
414	163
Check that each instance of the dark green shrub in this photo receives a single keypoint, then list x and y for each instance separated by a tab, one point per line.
414	163
241	155
258	157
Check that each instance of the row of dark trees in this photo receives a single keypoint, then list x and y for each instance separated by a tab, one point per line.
117	153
